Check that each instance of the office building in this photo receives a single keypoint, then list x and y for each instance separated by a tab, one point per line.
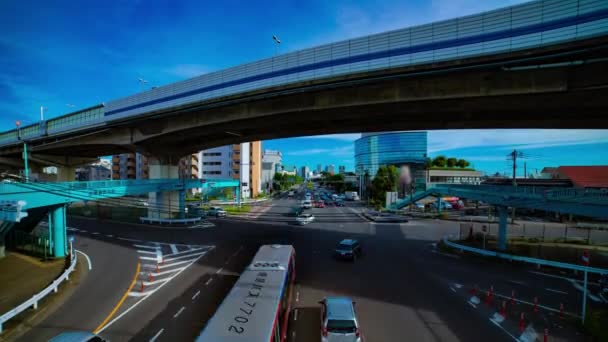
130	166
100	170
341	169
319	168
271	161
330	169
406	150
304	171
238	161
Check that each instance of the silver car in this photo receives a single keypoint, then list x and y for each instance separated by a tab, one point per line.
216	211
77	336
338	320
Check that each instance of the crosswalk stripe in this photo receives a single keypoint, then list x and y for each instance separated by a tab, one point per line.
185	256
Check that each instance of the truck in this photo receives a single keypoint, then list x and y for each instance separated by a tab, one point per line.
351	196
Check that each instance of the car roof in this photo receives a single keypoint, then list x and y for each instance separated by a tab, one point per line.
339	308
348	242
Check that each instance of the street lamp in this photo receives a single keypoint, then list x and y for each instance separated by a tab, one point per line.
141	83
26	171
276	46
42	108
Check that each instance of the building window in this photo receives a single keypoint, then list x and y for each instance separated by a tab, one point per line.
212	154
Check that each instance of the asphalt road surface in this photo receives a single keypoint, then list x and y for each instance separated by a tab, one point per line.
404	289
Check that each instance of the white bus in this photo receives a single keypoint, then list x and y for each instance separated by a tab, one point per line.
257	308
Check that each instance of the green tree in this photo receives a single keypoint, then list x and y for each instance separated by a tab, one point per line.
440	161
451	162
428	163
386	180
461	163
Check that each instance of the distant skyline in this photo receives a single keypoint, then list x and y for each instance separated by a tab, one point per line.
485	149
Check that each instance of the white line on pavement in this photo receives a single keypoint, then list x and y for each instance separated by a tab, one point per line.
146	252
110	235
87	257
562	277
191	250
179	262
141	300
208	281
196	294
145	246
127	239
179	312
293	335
185	256
219	271
173	248
295	315
453	289
157	335
147	258
298	296
503	329
582	289
157	281
95	233
557	291
473	305
169	271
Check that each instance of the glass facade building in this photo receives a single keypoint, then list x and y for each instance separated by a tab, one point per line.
373	150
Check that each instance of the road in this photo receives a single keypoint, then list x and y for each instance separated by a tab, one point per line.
404	288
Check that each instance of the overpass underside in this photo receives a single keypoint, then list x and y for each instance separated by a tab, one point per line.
562	86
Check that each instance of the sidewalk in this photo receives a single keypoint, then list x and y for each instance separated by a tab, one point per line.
22	276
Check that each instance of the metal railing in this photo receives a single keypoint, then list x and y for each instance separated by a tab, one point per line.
33	302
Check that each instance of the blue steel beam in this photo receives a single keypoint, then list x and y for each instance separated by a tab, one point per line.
41	194
585	202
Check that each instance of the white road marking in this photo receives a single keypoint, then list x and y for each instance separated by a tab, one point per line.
173	248
557	291
540	306
517	282
146	252
529	335
147	258
95	233
562	277
179	312
191	250
196	294
458	286
473	305
157	281
168	271
219	271
87	257
127	239
185	256
298	296
146	246
474	300
293	335
453	289
157	335
503	329
295	315
110	235
208	281
179	262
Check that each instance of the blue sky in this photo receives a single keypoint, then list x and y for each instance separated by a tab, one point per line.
81	53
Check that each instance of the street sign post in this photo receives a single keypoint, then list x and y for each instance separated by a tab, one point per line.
586	261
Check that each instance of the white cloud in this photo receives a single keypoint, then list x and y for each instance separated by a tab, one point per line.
188	70
514	138
335	152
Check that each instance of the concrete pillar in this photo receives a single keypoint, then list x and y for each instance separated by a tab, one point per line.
66	174
439	205
502	228
164	204
57	228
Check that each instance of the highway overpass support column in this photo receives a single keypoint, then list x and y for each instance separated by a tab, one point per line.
502	228
58	232
163	204
66	174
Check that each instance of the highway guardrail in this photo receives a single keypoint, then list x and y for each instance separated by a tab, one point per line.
33	302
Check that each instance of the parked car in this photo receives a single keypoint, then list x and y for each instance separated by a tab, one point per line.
419	205
304	219
339	203
319	204
444	205
348	249
338	320
216	211
307	204
290	194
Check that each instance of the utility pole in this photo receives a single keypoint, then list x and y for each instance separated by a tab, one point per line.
513	157
525	172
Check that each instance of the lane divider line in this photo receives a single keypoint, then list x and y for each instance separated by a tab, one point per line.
157	335
208	281
119	304
196	294
87	257
556	291
179	312
219	271
146	246
173	248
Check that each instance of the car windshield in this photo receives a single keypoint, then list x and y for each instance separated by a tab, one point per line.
341	326
345	247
